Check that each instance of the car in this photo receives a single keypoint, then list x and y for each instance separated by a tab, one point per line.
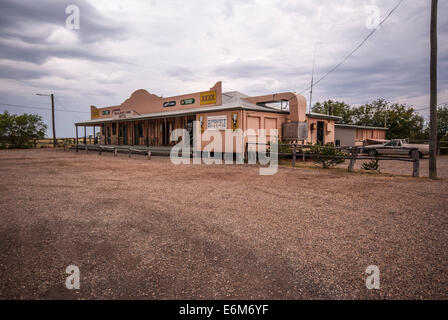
396	147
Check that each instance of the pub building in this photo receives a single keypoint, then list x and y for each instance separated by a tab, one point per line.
147	120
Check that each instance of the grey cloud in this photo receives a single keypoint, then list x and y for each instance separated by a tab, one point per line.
33	21
257	69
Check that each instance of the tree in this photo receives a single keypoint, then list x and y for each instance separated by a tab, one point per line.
335	108
20	130
442	117
401	120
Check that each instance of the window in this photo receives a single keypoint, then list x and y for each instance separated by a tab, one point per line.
392	143
114	128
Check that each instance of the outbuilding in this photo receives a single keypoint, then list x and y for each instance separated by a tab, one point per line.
354	135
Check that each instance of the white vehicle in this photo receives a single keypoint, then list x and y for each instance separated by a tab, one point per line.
396	147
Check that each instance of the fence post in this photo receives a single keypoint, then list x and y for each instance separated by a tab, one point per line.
87	149
129	152
100	151
294	156
115	152
354	152
149	154
416	163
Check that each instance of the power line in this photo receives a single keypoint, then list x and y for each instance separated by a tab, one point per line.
356	48
427	108
40	108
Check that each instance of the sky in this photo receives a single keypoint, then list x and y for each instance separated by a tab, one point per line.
172	47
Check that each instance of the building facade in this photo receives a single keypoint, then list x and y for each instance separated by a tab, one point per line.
145	119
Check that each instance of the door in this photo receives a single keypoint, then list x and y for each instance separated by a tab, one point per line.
320	132
123	133
138	133
190	132
164	133
389	149
108	136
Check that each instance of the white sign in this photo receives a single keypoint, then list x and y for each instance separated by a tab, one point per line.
217	122
123	114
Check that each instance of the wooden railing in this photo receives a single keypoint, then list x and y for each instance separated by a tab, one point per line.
352	153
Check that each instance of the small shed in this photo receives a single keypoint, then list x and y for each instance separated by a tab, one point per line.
356	135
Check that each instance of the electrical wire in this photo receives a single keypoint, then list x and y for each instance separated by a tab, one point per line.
39	108
356	48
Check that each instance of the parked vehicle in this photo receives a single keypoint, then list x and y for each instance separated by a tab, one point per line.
396	147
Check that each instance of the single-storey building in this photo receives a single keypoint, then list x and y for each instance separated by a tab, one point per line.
354	135
145	119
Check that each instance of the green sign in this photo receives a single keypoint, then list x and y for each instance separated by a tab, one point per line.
106	112
187	101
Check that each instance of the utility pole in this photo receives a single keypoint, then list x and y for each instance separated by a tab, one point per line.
312	81
52	120
433	94
52	116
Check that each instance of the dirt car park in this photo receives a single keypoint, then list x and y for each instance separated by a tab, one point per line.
147	229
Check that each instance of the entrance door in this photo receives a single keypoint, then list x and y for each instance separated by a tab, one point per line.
190	131
164	132
320	132
108	136
123	131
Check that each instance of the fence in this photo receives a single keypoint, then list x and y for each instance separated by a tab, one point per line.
442	145
114	149
352	153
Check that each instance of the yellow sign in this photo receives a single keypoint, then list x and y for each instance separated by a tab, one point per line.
94	112
208	97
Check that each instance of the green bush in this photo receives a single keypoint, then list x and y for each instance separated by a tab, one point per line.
372	165
325	155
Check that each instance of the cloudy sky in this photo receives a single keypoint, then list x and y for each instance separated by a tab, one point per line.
171	47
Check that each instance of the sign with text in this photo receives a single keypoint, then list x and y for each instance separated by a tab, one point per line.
217	122
187	101
94	112
169	104
123	114
208	97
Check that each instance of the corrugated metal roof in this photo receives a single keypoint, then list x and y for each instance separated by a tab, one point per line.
323	116
359	127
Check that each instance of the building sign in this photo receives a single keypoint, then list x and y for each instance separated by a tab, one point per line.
208	97
187	101
217	122
169	104
123	114
106	112
94	112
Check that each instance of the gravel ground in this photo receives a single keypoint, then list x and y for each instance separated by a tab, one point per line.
151	230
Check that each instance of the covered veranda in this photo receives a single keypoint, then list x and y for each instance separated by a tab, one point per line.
149	131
